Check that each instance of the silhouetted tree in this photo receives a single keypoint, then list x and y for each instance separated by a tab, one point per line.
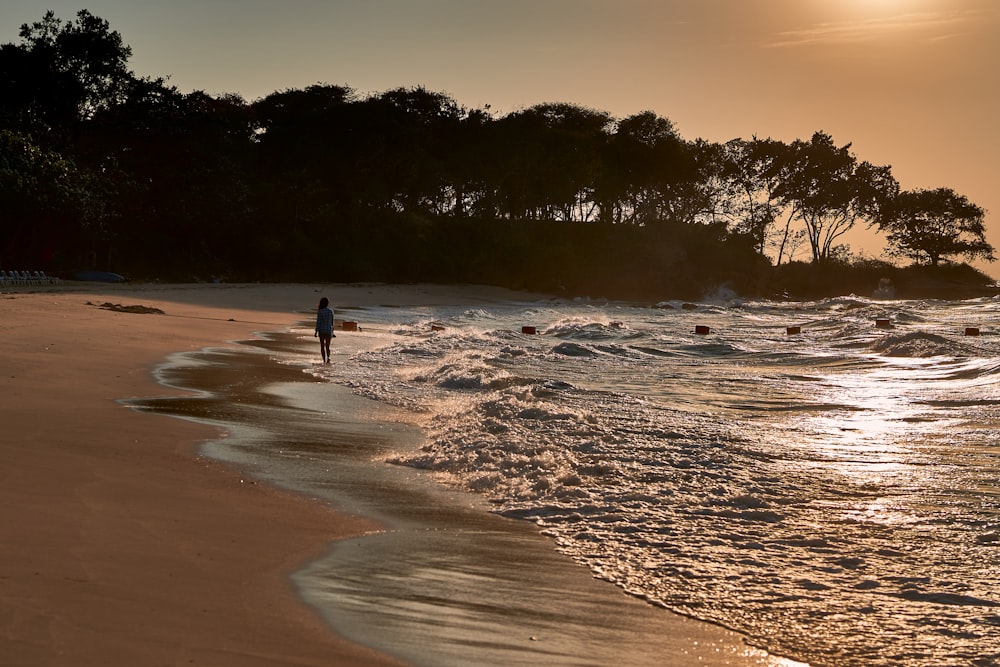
753	169
321	183
306	160
709	196
829	191
471	161
677	192
44	203
643	154
418	130
929	225
548	168
64	73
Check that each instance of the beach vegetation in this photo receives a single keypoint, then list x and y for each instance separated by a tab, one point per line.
43	196
930	225
66	72
829	191
129	174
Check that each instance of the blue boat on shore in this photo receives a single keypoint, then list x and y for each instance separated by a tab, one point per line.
98	276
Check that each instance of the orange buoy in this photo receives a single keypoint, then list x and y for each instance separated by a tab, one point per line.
971	331
702	329
528	330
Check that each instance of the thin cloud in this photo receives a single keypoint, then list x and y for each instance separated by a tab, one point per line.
935	25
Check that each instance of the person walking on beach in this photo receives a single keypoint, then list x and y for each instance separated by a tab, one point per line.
324	328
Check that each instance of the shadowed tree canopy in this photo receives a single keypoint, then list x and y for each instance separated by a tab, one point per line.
829	191
297	127
930	225
43	196
100	168
753	169
643	156
64	72
547	162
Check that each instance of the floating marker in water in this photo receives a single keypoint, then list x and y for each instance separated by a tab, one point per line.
794	330
528	330
882	324
702	329
971	331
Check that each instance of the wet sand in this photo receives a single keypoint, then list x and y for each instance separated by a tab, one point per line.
128	547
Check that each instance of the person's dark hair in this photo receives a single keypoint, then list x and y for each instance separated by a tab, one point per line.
324	302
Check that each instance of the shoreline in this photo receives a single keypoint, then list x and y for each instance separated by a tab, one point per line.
152	596
121	544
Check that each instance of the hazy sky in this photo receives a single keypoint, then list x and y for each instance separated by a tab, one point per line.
910	83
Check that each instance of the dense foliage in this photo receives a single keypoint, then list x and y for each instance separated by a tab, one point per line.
932	224
101	168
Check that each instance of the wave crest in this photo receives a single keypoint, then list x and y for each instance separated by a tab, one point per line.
917	344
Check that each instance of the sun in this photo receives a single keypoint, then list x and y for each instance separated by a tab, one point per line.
892	15
882	7
879	4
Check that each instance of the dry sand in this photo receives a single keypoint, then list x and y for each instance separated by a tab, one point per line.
118	545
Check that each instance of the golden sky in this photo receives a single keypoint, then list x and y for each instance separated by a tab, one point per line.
910	83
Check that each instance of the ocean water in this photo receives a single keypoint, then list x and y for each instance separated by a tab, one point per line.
833	494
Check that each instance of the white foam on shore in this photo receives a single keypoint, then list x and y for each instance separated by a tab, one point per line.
448	583
756	480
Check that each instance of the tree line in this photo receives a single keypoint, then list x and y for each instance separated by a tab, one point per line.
101	168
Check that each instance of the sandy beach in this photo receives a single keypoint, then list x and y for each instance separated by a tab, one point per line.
120	545
123	544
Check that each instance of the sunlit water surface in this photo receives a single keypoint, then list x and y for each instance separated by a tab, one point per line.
834	494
